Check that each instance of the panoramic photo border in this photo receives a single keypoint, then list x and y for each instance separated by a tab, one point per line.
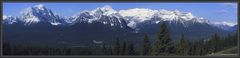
6	1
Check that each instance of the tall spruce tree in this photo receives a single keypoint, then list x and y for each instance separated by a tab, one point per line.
123	49
236	39
163	43
214	43
192	48
116	49
104	49
183	46
131	49
127	48
146	45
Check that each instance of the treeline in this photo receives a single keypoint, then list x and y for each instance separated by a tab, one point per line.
162	46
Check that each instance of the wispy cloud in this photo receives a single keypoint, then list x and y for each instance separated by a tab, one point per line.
233	5
222	11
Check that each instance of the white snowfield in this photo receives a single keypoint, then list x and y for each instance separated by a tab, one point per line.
39	13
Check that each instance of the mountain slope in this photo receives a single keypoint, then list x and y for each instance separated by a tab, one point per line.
39	24
225	25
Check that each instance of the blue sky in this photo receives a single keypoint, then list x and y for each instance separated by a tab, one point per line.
216	12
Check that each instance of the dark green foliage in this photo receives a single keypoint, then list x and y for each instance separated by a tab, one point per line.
163	43
198	48
131	50
229	41
127	51
162	46
104	50
146	45
213	43
124	48
116	49
183	46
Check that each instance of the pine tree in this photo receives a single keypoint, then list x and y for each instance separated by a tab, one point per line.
127	48
214	43
131	49
146	45
203	47
183	46
123	49
111	50
191	48
7	48
235	40
116	49
163	43
104	50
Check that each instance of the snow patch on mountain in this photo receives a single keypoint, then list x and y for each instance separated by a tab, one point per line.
4	17
107	15
138	14
55	23
132	24
40	7
9	19
38	13
225	23
105	10
96	14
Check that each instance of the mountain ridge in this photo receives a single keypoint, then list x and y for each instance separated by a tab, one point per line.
105	24
31	16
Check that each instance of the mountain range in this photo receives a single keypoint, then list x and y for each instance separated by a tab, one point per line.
39	24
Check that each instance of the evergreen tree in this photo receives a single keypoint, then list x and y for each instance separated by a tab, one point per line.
236	39
7	48
127	48
116	49
228	39
183	46
214	43
198	48
111	50
192	48
104	50
123	49
233	40
146	45
203	47
131	49
163	43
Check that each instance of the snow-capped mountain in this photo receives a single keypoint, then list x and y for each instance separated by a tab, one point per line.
9	19
139	15
105	15
104	23
224	25
39	13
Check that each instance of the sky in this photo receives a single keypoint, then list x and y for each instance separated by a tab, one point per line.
215	12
